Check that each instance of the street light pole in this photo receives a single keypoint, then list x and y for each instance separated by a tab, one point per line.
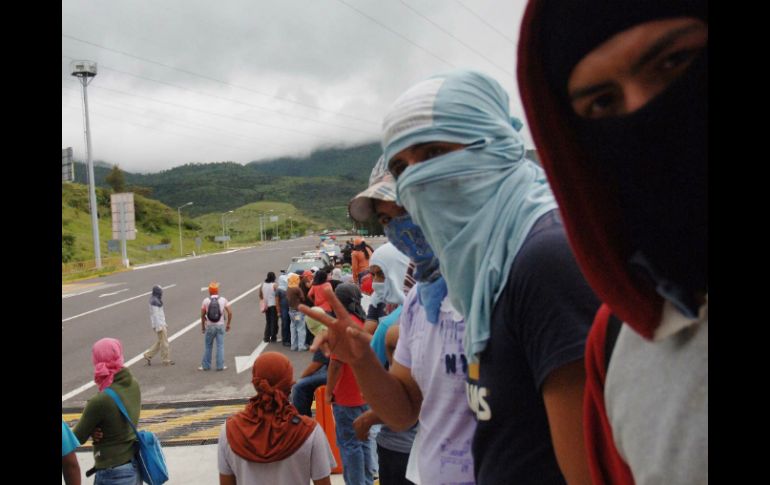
85	71
224	231
179	214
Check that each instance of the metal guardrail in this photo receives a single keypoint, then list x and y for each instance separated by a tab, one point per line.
82	266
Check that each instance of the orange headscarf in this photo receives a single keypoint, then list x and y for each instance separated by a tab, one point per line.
270	428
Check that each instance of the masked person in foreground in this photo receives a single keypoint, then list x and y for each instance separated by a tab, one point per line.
490	216
616	96
269	442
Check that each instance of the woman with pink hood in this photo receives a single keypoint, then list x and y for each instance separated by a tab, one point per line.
114	461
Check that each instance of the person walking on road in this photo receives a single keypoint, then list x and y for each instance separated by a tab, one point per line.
214	324
158	322
267	295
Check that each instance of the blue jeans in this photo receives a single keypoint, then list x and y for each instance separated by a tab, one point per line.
304	389
127	474
285	318
297	330
214	332
356	455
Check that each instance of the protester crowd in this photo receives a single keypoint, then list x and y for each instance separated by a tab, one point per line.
528	323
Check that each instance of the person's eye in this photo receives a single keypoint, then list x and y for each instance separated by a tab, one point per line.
677	61
397	167
605	104
384	220
435	151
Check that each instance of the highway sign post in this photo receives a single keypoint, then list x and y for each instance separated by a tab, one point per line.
123	224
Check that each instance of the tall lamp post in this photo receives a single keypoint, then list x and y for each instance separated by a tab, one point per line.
224	232
86	71
179	214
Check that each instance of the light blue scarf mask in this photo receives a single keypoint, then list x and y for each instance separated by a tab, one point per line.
476	205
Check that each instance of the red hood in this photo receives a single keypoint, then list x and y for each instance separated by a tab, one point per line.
591	217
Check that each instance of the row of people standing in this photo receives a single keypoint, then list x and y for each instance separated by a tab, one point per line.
618	117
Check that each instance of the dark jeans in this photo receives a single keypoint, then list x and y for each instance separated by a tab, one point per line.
392	467
304	389
271	324
285	319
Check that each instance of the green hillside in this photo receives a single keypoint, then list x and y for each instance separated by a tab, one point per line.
157	224
320	185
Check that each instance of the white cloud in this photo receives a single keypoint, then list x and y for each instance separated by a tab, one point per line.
295	74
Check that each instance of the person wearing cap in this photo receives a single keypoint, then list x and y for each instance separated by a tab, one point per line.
616	94
426	380
215	330
270	442
488	212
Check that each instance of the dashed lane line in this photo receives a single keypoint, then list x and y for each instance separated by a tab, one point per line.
139	357
113	304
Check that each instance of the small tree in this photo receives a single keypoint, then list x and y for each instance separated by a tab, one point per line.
116	179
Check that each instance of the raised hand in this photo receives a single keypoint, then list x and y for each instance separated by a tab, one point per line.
344	337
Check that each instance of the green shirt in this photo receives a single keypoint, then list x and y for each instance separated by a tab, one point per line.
117	445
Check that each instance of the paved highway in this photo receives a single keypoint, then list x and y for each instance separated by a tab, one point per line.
117	306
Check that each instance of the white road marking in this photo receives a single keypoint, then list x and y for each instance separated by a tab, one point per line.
204	288
113	293
244	362
113	304
139	357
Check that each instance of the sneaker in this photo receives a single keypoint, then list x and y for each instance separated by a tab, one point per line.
149	362
170	362
201	368
223	368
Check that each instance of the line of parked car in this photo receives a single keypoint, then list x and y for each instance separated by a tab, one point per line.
324	257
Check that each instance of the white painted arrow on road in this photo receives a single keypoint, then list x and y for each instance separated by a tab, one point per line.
244	362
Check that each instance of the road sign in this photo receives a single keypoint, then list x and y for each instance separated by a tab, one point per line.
113	246
273	218
67	166
123	204
221	238
198	242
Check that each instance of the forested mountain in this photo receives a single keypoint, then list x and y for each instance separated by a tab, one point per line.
319	185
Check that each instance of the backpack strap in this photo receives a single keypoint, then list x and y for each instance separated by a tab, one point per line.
123	411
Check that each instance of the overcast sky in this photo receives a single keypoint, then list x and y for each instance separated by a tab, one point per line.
182	81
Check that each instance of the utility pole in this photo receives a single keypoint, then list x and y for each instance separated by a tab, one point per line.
179	213
86	71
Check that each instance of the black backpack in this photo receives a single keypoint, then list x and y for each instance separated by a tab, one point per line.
214	313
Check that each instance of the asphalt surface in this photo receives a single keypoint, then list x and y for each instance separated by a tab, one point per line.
117	306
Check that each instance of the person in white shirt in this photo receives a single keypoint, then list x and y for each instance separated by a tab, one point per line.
267	295
158	322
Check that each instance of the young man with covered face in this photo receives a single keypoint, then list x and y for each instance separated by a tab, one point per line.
492	220
616	96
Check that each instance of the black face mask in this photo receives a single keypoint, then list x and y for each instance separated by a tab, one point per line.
656	158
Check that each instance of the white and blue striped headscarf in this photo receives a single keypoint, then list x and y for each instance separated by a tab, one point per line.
476	205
